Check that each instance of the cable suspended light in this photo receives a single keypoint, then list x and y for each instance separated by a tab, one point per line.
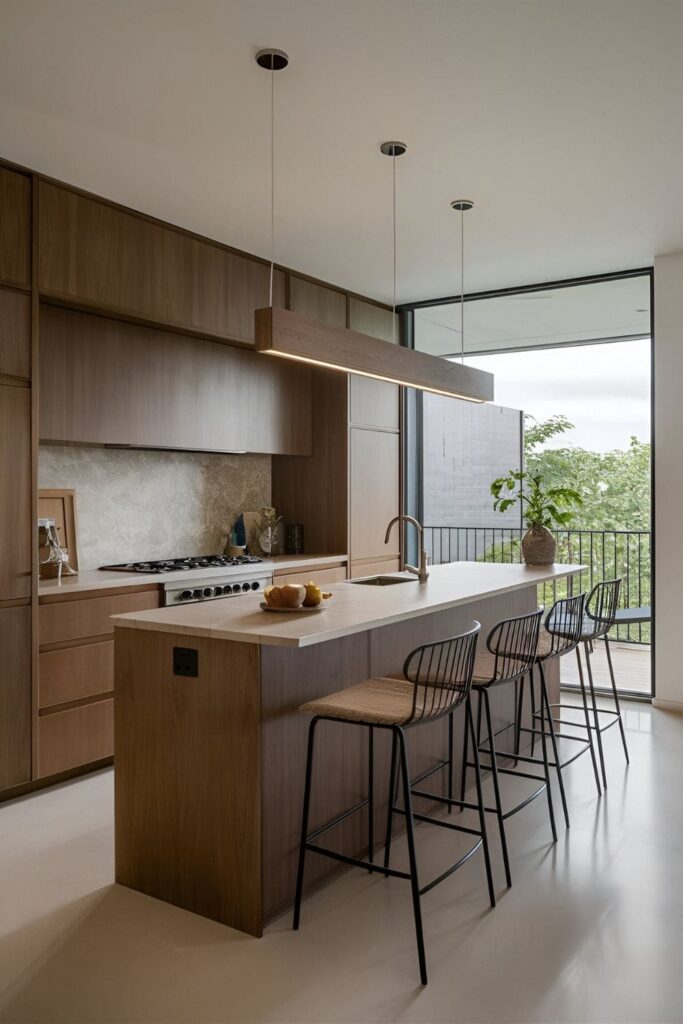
288	335
462	205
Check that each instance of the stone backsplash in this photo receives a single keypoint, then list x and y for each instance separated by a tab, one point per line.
134	504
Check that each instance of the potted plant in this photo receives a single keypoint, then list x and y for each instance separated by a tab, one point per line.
542	509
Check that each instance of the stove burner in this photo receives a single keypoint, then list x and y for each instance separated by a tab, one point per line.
185	564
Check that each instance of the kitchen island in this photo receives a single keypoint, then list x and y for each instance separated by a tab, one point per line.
210	746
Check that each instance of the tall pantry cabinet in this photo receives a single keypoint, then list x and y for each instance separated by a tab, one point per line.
17	577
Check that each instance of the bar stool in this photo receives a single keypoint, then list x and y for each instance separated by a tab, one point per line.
561	634
511	653
599	617
437	678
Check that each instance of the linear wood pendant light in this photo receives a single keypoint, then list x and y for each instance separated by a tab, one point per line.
280	332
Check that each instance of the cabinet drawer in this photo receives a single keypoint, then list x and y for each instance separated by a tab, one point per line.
73	620
374	568
67	739
317	575
74	673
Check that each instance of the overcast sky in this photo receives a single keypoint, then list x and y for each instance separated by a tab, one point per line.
603	389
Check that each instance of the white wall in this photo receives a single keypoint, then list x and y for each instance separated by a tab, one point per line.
668	408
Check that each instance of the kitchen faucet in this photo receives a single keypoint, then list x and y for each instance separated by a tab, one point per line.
421	573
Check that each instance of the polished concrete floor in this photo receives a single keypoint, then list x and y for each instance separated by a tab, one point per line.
592	929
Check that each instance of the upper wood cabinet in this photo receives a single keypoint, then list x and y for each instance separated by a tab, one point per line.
374	493
373	320
103	381
16	522
102	256
373	403
15	228
15	334
325	305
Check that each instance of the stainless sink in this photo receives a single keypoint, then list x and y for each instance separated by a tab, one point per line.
384	581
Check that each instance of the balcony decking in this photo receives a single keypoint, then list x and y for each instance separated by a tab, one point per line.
632	668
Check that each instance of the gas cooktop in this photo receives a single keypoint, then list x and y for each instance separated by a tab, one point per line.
185	564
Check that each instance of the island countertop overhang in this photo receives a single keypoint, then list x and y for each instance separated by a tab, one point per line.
352	609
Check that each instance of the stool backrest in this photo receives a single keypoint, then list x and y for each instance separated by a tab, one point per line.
441	674
514	643
601	608
564	623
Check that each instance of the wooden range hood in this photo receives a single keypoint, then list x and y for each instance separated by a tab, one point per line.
280	332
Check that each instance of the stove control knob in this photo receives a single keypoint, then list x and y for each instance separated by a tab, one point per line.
186	595
255	585
196	594
236	588
208	591
217	591
245	586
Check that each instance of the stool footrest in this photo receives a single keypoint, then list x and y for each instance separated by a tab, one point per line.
356	862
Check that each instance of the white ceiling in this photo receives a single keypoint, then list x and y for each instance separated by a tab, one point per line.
560	118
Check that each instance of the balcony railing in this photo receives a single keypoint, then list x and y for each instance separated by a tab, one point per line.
607	554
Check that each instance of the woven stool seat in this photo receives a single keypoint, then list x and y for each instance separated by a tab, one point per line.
380	701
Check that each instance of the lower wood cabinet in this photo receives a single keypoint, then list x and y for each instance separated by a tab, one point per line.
335	575
76	675
75	737
15	696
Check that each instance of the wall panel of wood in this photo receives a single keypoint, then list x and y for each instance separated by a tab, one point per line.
374	403
15	696
15	228
374	476
373	320
15	334
107	382
325	305
314	490
105	257
16	527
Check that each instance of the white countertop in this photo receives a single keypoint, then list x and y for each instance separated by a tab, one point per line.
352	609
103	579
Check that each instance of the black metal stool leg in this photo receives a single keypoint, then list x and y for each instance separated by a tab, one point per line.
463	774
546	765
469	726
545	710
518	721
483	694
390	804
616	699
414	883
304	825
589	731
598	734
371	793
450	727
532	694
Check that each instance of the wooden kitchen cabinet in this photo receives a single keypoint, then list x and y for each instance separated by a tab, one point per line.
76	673
374	403
326	305
108	382
75	737
103	256
15	228
15	334
374	493
320	576
15	492
373	320
83	617
15	696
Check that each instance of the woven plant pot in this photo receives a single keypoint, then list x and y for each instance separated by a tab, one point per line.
538	546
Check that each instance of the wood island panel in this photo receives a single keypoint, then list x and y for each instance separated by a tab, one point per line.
188	776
